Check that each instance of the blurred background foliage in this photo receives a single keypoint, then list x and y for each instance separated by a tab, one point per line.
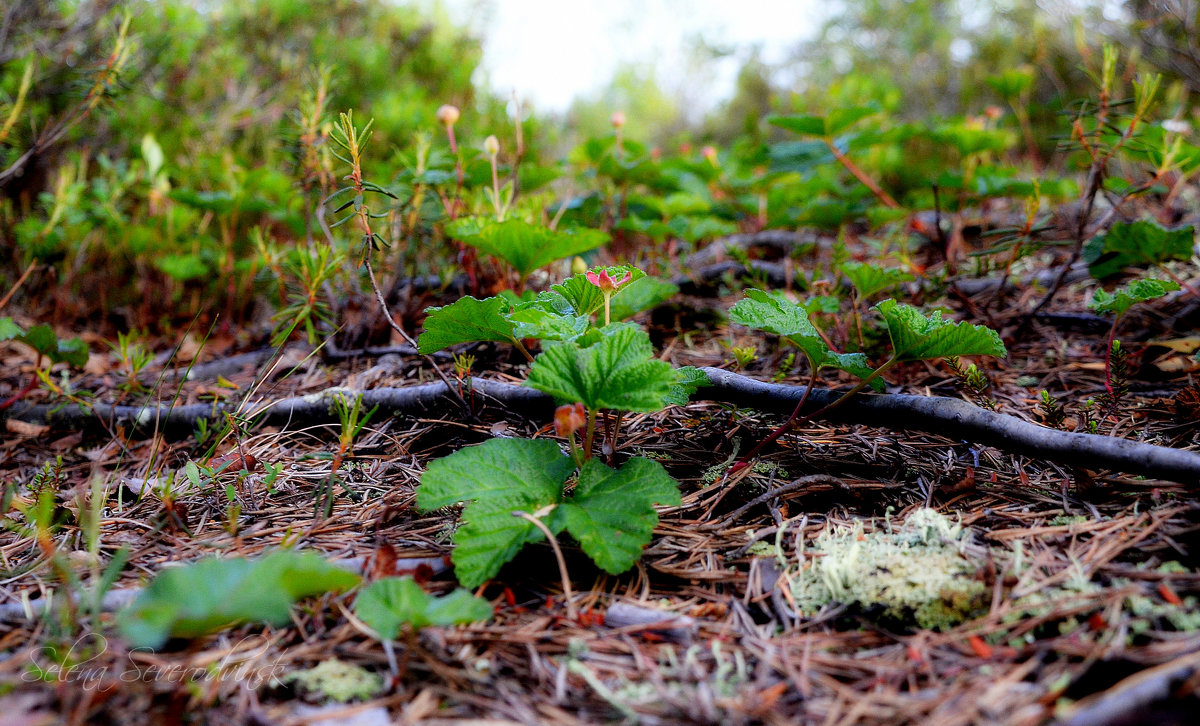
167	151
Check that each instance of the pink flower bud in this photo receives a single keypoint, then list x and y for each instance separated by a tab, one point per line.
710	153
618	119
447	115
569	419
605	282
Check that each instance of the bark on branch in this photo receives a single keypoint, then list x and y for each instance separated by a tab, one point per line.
949	417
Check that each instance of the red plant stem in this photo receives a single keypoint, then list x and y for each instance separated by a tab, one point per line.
19	394
17	285
1108	357
745	460
793	421
591	435
861	175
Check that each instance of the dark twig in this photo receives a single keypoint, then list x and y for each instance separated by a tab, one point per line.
950	417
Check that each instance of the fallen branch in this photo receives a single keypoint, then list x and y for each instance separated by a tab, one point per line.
950	417
697	280
780	240
959	420
1130	700
428	398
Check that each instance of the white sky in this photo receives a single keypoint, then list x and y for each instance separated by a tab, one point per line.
551	51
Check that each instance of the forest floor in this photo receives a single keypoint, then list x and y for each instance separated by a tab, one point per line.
815	587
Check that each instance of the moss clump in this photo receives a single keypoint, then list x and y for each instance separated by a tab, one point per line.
338	680
913	573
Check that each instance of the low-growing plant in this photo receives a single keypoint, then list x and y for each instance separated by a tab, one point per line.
213	593
1115	355
914	336
49	349
590	367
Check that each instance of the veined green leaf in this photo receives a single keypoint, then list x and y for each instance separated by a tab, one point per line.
921	337
215	593
775	313
496	478
389	604
641	294
1123	298
688	379
525	246
537	322
617	372
9	329
584	298
466	320
42	338
871	279
611	512
804	125
1144	242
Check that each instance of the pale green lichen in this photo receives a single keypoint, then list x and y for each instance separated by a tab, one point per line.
914	572
1068	519
338	680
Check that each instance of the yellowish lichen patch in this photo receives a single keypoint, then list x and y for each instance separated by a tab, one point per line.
914	572
338	680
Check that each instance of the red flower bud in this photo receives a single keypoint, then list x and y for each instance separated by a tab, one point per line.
569	419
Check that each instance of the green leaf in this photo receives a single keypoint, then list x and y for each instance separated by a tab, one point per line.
183	267
1144	242
1123	298
688	379
525	246
775	313
387	605
536	322
835	123
42	338
920	337
215	593
871	279
583	297
467	320
9	329
73	352
641	294
611	513
804	125
840	119
496	478
617	372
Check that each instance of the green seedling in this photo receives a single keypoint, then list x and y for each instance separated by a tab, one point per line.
523	246
1118	303
50	349
392	604
610	512
211	594
914	336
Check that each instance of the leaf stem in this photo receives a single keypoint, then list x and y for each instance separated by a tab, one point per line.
591	434
572	613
